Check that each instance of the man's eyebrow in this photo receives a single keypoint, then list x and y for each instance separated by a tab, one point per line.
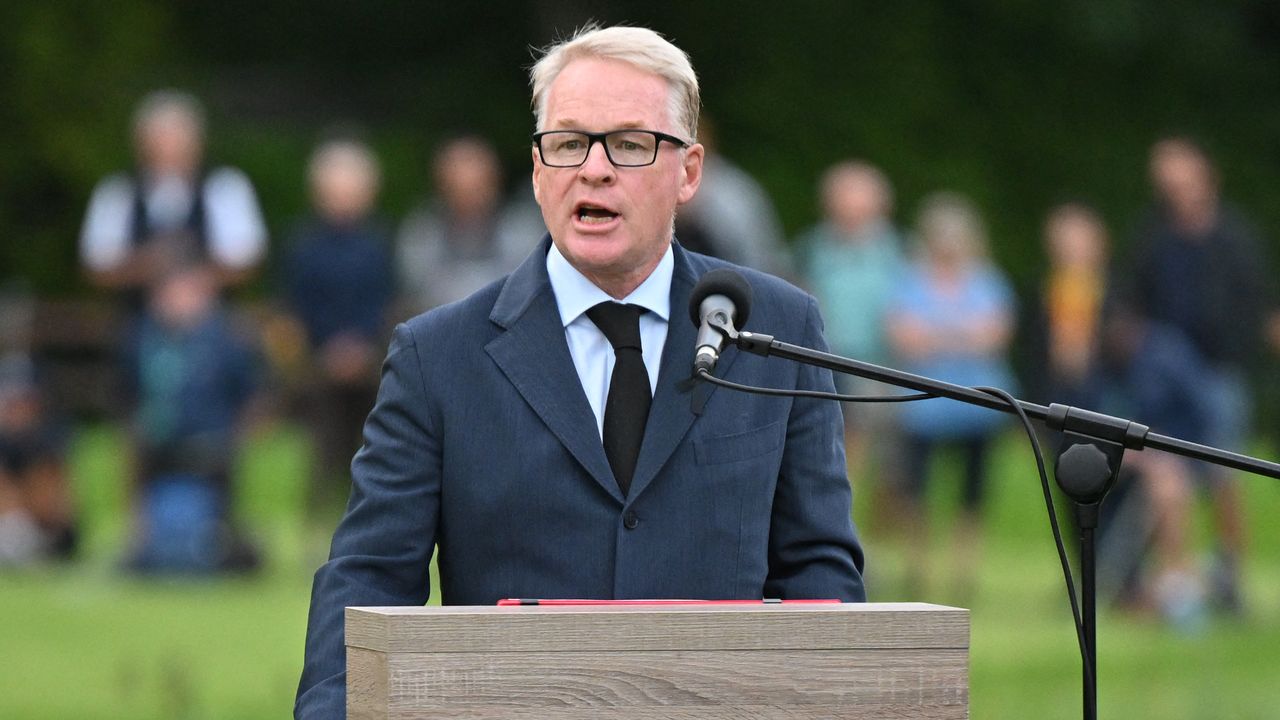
573	124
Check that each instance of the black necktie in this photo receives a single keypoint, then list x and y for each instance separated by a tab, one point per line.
627	408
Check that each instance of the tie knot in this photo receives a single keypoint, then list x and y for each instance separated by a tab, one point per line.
619	323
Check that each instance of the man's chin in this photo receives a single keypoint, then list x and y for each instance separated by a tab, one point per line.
603	251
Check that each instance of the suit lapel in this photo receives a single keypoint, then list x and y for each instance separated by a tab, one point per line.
532	353
674	402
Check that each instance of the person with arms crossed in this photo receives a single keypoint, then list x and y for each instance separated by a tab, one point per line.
511	437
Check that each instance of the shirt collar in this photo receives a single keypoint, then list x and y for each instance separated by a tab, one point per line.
575	294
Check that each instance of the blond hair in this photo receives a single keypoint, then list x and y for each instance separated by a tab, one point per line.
347	155
640	47
948	223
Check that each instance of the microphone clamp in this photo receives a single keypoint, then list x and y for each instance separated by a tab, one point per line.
747	341
706	356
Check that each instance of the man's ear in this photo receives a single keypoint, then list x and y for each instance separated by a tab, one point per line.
537	172
691	172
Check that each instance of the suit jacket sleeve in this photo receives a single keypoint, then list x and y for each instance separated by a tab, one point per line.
813	548
382	549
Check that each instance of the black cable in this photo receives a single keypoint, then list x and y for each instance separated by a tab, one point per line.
774	392
1053	524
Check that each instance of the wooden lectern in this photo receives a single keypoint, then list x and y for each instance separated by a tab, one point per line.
659	662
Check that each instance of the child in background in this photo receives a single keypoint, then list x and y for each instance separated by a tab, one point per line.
190	378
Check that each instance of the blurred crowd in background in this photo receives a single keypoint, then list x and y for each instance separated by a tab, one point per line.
1164	335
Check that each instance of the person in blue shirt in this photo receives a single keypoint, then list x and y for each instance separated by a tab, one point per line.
950	318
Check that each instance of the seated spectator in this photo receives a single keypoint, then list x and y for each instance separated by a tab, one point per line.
338	280
37	514
134	218
466	236
190	379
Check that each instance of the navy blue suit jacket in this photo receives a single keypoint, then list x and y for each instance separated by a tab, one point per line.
482	443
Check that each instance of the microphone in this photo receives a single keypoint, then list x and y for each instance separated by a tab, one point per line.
722	296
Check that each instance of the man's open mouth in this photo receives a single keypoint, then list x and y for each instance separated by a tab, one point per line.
594	214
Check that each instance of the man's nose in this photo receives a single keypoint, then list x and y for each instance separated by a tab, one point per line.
597	167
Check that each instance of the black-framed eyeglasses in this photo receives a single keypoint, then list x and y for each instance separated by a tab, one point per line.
624	148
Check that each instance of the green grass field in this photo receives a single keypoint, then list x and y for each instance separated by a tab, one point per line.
85	642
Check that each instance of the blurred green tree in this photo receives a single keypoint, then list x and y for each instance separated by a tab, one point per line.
1015	103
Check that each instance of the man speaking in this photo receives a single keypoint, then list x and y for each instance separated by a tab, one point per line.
544	435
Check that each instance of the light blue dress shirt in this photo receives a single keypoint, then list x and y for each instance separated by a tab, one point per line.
592	354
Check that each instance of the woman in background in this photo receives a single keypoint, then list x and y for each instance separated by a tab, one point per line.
951	319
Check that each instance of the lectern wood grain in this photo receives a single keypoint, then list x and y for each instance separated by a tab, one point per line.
672	662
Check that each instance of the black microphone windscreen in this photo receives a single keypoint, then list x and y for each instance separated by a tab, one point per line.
722	281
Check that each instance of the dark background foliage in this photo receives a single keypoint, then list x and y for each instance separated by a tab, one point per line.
1019	103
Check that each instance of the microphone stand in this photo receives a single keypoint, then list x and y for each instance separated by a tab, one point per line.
1086	466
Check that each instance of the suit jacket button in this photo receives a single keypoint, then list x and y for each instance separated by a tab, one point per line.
630	521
